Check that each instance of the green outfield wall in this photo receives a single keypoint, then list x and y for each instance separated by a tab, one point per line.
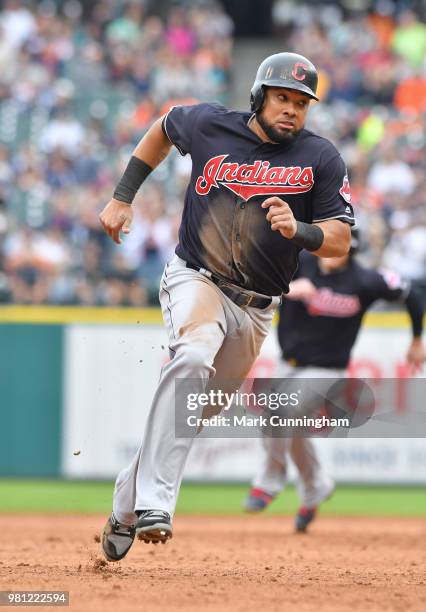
31	399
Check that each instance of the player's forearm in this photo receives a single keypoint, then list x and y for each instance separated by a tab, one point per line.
415	309
337	239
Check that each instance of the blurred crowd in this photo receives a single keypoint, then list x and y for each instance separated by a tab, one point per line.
78	90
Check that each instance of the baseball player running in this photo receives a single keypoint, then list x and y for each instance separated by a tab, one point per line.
318	326
262	188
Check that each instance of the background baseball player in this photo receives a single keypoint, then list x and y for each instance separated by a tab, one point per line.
318	326
238	249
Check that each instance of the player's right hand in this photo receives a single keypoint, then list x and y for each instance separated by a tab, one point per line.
301	289
116	217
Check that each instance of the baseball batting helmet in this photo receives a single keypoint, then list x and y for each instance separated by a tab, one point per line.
288	70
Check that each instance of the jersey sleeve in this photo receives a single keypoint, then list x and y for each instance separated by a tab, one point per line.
385	285
179	124
331	194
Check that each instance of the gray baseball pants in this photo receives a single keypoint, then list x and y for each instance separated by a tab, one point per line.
209	336
313	484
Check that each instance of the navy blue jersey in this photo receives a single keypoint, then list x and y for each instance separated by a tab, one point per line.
223	228
322	331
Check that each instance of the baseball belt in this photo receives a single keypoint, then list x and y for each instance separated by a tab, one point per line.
241	298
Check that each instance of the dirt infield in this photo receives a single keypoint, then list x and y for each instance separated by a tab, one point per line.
223	563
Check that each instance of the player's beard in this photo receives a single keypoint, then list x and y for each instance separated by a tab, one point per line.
278	136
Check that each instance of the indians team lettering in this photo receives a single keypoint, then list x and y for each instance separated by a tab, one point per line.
250	180
326	303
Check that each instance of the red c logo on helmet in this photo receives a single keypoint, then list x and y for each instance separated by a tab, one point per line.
298	71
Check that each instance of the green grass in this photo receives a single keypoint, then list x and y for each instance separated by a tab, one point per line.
91	497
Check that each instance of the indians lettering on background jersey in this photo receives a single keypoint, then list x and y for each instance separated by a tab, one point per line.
326	303
250	180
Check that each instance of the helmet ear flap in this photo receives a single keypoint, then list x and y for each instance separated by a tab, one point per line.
257	98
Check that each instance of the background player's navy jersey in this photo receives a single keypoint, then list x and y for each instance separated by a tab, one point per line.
224	229
323	331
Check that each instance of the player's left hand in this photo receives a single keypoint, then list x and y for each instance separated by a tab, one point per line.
416	355
280	217
302	290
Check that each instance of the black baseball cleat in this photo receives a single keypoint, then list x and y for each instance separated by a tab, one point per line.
117	539
304	517
153	526
257	500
